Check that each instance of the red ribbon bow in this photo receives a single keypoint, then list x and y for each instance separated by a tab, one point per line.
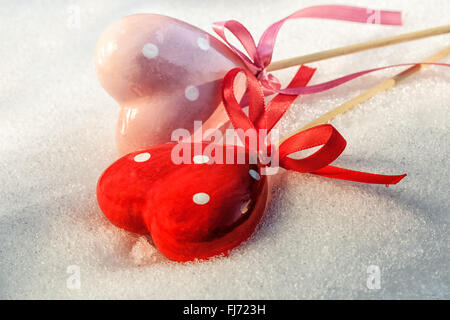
265	117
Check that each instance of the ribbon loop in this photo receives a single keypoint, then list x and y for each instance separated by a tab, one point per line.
245	38
256	100
323	135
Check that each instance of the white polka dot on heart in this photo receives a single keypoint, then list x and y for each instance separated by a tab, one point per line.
255	175
191	93
142	157
200	198
199	159
203	43
150	51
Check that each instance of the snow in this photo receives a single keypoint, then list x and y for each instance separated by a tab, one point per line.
319	237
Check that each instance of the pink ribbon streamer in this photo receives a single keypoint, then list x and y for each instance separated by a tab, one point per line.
337	82
259	56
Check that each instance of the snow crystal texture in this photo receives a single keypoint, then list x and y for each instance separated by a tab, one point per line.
319	236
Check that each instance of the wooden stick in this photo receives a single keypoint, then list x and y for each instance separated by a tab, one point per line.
389	83
295	61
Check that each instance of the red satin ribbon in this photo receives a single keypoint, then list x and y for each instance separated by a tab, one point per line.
262	117
259	56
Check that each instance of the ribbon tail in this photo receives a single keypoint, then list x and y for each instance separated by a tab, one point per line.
358	176
281	102
337	82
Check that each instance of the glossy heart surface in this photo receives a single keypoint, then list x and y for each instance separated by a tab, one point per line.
192	210
164	73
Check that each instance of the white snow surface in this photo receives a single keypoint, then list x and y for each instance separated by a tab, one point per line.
318	237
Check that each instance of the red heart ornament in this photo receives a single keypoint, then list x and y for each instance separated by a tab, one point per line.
198	200
165	74
194	210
